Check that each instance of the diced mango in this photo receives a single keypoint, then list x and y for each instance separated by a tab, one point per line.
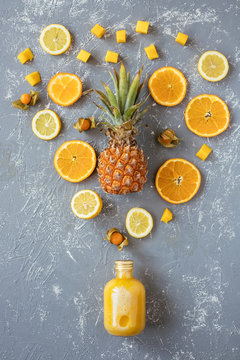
151	52
166	216
25	55
111	57
181	38
33	78
203	152
98	31
83	55
121	36
142	27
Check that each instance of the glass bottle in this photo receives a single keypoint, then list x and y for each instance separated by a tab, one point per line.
124	302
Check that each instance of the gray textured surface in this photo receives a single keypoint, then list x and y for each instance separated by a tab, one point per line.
53	266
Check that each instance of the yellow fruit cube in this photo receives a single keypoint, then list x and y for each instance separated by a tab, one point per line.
203	152
166	216
111	57
83	55
25	55
33	78
142	27
121	36
181	38
98	31
151	52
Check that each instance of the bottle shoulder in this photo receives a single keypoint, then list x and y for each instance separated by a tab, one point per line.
115	283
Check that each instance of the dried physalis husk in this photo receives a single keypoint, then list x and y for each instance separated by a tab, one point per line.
34	97
168	138
19	105
84	124
115	237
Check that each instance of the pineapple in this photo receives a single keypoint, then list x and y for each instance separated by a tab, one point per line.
122	167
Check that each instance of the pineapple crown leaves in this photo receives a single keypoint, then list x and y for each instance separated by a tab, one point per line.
121	107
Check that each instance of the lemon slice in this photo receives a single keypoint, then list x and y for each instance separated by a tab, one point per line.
86	204
139	222
46	124
213	66
55	39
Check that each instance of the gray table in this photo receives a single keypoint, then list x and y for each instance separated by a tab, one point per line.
53	266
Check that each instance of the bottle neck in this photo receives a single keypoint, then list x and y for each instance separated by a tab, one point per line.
124	274
124	269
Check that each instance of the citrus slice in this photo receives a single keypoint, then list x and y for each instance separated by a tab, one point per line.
177	181
139	222
207	115
213	66
167	86
64	88
46	124
75	160
55	39
86	204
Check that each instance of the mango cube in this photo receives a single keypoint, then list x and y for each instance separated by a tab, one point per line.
25	55
203	152
111	57
98	31
121	36
181	38
142	27
33	78
151	52
83	55
166	216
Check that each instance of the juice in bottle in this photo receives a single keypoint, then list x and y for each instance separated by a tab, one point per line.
124	302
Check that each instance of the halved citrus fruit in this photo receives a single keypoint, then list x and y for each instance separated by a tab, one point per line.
139	222
64	88
86	204
75	160
55	39
207	115
46	124
177	181
213	66
167	86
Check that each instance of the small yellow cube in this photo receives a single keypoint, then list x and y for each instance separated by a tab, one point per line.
98	31
181	38
25	55
111	57
121	36
142	27
166	216
151	52
33	78
203	152
83	55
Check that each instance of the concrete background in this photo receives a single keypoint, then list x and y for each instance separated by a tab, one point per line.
53	266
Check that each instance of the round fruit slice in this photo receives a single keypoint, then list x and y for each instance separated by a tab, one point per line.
167	86
86	204
64	88
139	222
75	160
207	115
213	66
46	124
177	181
55	39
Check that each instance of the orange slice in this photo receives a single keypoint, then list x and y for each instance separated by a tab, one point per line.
167	86
207	115
177	181
64	88
75	160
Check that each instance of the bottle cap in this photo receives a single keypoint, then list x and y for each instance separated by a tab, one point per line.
124	264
